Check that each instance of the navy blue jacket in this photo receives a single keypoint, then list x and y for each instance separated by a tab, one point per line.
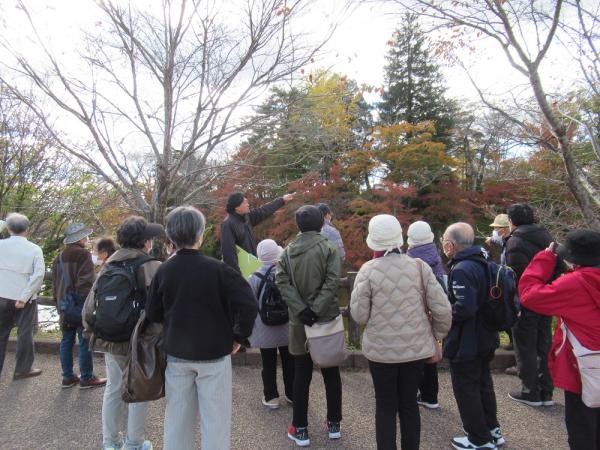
467	290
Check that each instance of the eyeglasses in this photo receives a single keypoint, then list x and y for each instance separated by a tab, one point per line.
443	241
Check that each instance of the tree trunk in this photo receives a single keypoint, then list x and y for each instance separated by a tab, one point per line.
584	200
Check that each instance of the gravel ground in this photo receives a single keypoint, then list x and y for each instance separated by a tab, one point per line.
38	414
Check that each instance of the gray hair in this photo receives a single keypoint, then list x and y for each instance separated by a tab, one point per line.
185	226
17	223
461	234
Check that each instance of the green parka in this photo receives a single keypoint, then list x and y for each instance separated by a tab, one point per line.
316	266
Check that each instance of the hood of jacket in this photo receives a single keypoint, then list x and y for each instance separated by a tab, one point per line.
303	242
469	253
534	234
426	252
123	254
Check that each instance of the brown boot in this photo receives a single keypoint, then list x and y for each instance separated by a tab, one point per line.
31	373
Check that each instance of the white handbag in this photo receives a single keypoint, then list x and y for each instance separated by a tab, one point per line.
588	362
326	343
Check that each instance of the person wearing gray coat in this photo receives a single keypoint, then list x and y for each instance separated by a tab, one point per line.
330	232
271	338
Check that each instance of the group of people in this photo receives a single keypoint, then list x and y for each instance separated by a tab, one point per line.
406	300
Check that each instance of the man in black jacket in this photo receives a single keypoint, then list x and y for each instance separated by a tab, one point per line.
236	229
532	332
470	346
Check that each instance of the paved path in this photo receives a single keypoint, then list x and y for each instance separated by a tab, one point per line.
37	414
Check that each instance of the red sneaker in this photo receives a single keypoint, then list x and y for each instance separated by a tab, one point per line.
299	436
92	382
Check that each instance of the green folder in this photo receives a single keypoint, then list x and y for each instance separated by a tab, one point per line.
248	263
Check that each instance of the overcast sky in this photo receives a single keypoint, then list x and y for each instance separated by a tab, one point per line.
356	49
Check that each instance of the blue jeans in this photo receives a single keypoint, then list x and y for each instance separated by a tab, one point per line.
86	364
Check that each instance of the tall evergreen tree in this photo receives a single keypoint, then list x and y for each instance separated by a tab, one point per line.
414	90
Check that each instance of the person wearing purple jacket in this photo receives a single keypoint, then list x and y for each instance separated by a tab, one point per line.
420	245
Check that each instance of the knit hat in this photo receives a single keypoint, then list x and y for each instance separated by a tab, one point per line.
76	232
419	233
581	247
268	251
385	233
234	200
309	218
501	221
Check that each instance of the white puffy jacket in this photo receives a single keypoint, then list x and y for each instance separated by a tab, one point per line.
387	297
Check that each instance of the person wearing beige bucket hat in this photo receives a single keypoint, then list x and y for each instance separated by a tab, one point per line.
501	231
498	239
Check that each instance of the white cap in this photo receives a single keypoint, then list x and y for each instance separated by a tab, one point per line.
385	233
268	251
419	233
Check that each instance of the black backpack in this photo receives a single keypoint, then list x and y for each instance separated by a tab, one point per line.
272	307
500	310
119	300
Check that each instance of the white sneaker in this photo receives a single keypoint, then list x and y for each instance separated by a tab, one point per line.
428	405
271	404
463	443
497	437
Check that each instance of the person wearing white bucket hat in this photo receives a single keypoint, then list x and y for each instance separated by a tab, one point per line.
420	245
391	295
270	338
73	273
385	233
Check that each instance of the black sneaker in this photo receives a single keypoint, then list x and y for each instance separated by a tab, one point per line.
299	435
427	404
526	397
334	430
546	399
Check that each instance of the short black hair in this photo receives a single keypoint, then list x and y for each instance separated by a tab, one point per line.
107	245
233	201
520	214
131	232
324	208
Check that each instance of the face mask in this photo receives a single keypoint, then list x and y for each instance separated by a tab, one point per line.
496	238
95	260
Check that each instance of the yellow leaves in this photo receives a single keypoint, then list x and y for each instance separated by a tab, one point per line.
334	101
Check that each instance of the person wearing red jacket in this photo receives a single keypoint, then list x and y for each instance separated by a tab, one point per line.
575	299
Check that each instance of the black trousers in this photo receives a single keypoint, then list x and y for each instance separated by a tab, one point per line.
533	338
269	372
429	385
24	320
474	392
396	394
583	423
333	391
